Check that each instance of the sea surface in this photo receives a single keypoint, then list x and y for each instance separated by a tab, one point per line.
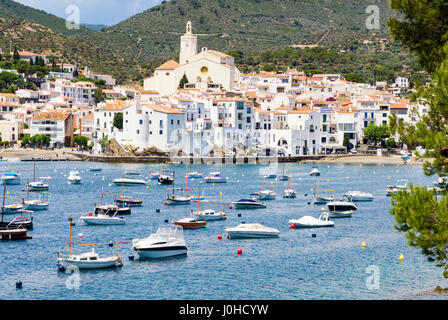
331	265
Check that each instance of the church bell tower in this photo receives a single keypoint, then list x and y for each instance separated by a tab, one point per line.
188	45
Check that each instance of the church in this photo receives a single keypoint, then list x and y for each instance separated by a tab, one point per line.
206	69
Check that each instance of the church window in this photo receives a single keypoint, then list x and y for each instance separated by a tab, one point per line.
204	70
167	73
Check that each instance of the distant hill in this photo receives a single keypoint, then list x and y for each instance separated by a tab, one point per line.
95	27
249	25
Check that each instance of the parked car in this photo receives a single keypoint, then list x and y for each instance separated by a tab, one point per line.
354	151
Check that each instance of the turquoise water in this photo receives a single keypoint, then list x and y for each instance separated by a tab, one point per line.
331	265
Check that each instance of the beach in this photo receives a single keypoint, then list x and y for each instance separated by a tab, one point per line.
366	159
20	153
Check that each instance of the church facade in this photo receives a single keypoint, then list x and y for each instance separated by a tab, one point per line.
204	69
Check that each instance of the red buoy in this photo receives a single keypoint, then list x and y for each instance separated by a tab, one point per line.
165	203
90	214
240	251
230	207
292	226
219	237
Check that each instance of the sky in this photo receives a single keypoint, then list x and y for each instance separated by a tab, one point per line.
108	12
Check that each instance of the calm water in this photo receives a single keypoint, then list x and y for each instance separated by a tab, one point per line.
295	266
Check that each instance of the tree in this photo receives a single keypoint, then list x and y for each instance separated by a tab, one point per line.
81	141
118	120
390	143
183	81
353	77
346	142
15	55
26	140
376	133
418	212
423	29
99	95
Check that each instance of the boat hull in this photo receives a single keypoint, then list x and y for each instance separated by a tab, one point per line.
161	252
102	222
251	235
89	265
248	206
119	211
191	225
178	201
129	203
14	234
36	207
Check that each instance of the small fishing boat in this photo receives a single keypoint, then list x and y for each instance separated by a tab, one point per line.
251	231
266	195
190	223
315	173
310	222
89	260
442	182
271	176
319	198
95	169
176	200
401	185
154	175
168	241
248	204
17	223
12	209
289	193
210	215
128	201
74	177
14	234
215	177
128	182
166	179
358	196
36	205
36	185
102	219
11	179
112	209
131	173
194	175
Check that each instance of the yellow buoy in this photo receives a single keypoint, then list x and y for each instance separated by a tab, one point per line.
272	182
311	189
363	244
328	180
328	166
401	258
213	184
396	171
360	165
220	194
147	187
7	192
388	178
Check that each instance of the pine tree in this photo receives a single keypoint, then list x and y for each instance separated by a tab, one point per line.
16	56
183	81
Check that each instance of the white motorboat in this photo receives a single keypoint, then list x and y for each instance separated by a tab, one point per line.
357	196
251	231
128	182
311	222
168	241
266	195
11	179
289	193
283	176
315	173
37	186
90	260
400	186
194	175
209	215
36	205
341	206
215	177
74	177
248	204
102	219
13	208
154	176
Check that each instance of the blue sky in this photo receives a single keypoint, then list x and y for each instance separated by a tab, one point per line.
108	12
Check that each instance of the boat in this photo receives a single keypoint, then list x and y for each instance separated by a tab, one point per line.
89	260
442	182
248	204
271	176
154	175
194	175
95	169
289	193
12	209
166	179
311	222
190	223
168	241
358	196
283	176
11	179
208	214
131	173
74	177
102	219
341	206
111	209
215	177
36	185
14	234
401	185
266	194
252	231
20	222
128	201
318	198
36	204
315	173
176	200
128	182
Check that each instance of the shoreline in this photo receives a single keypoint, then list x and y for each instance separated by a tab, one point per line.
49	155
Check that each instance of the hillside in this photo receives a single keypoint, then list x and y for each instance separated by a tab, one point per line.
249	25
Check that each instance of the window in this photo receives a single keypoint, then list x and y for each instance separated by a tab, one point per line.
161	132
324	118
138	131
140	121
384	115
324	139
161	124
178	122
172	121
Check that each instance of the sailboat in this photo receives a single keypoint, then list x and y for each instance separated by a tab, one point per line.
36	185
319	199
266	194
17	228
94	169
127	201
209	214
289	193
173	200
36	204
111	209
91	259
283	176
191	222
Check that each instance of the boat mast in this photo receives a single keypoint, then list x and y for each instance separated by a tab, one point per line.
199	196
70	238
4	195
173	184
186	184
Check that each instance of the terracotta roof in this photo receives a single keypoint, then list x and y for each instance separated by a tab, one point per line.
169	65
398	106
164	109
300	111
50	116
149	92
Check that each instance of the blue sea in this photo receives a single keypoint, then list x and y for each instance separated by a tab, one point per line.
331	265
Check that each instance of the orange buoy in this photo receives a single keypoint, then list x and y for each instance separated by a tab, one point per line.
219	237
239	251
